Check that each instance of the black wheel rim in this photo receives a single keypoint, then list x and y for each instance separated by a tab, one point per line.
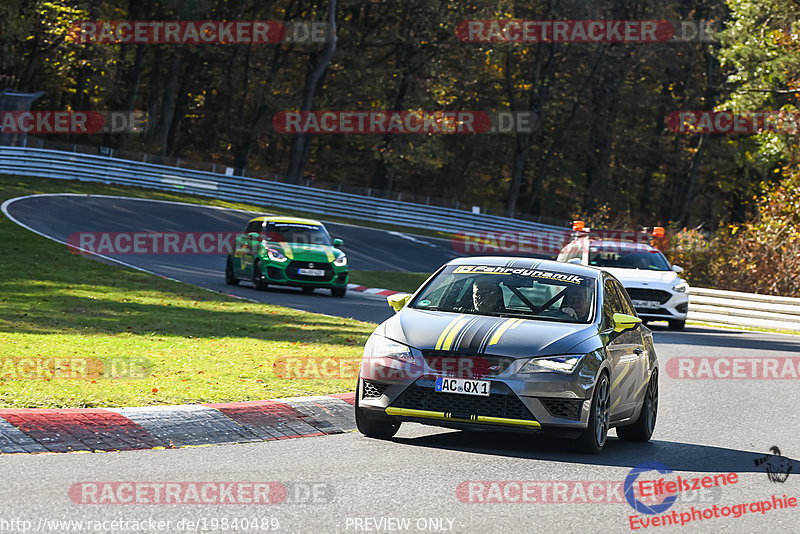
652	402
601	411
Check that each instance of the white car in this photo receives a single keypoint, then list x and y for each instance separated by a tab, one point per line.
656	290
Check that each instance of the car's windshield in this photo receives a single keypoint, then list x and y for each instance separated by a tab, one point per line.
650	260
297	233
510	291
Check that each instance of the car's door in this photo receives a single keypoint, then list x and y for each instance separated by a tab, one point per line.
243	255
634	389
623	350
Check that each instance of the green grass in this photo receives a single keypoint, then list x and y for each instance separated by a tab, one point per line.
197	345
394	280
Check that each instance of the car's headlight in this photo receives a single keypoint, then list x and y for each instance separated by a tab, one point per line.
386	348
559	364
340	260
276	255
681	287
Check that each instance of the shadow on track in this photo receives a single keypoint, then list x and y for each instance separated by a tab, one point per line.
677	456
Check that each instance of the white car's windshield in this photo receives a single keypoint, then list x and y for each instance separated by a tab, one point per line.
510	291
650	260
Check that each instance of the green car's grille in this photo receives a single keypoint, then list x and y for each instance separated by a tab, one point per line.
292	268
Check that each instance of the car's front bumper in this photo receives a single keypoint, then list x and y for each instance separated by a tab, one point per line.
667	304
285	273
526	402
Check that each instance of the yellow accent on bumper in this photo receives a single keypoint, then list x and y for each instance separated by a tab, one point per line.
442	416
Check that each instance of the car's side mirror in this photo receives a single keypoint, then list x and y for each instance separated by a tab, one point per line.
677	268
253	235
624	322
338	242
398	300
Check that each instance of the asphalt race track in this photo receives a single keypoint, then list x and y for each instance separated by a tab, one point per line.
58	216
429	477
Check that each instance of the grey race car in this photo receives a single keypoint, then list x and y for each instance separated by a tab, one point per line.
500	343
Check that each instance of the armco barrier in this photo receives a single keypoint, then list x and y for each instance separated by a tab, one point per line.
87	167
743	309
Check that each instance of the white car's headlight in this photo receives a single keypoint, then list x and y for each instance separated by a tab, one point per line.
681	287
276	255
386	348
340	260
558	364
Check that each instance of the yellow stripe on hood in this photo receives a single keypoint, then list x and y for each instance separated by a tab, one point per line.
510	323
445	334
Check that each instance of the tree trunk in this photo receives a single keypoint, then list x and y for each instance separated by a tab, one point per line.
318	65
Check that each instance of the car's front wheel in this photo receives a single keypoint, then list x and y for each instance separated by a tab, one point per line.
642	429
338	291
259	281
230	277
372	426
594	438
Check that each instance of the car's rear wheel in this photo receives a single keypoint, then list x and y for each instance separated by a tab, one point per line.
676	325
372	426
338	291
230	277
259	281
594	438
642	429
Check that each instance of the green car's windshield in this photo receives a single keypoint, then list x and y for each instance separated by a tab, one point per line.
510	291
297	233
649	260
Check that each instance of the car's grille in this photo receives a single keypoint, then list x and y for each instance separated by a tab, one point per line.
462	406
637	293
463	365
291	271
566	408
373	390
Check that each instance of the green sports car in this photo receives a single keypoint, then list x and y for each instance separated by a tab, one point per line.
288	251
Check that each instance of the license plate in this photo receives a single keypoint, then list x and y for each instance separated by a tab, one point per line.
311	272
463	386
646	304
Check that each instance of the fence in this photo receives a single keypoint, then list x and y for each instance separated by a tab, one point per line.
743	309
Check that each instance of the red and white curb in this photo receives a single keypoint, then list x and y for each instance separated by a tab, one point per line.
371	290
149	427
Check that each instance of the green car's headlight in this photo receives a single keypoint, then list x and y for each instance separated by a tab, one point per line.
276	255
558	364
340	260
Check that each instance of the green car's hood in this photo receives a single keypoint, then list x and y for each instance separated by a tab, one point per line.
305	252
